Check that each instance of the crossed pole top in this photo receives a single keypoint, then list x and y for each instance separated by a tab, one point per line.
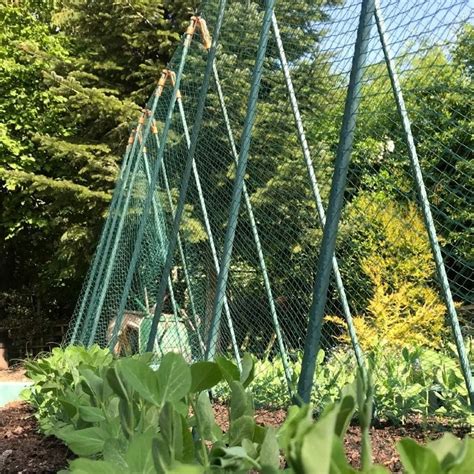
198	23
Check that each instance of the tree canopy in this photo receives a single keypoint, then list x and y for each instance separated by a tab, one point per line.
74	75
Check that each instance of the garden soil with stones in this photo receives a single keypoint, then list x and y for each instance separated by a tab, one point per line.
23	449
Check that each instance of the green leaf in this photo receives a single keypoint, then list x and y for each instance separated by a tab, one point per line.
91	382
269	451
117	384
161	454
114	452
171	428
112	406
300	437
321	434
174	378
298	420
204	375
149	417
205	417
229	371
465	461
69	408
181	407
84	442
178	468
417	459
188	454
91	414
241	428
248	370
129	416
241	402
250	447
233	458
139	454
346	410
259	434
339	464
89	466
446	449
141	377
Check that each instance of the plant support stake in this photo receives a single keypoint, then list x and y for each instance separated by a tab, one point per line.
187	278
315	191
210	236
163	245
239	180
112	242
156	169
117	195
425	205
105	284
256	238
338	186
186	175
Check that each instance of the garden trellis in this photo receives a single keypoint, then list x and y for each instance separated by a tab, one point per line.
299	180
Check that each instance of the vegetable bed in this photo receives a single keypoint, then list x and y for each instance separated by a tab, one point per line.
143	414
32	452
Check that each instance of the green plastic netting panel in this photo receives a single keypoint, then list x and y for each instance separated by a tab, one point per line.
385	295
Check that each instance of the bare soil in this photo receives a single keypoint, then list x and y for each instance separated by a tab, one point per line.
23	448
14	374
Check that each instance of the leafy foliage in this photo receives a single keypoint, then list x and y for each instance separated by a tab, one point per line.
406	381
123	416
438	94
120	409
74	72
71	73
393	252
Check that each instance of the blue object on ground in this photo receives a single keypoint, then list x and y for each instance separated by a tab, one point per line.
10	391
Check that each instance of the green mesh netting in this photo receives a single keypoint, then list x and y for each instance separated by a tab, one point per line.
384	282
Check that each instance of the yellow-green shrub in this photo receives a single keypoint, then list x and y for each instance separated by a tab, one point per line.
395	257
